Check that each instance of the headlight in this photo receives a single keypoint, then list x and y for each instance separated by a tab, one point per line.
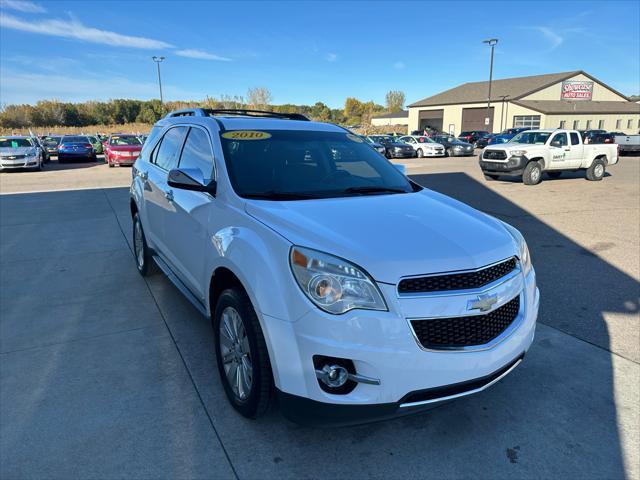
518	153
523	250
333	284
32	153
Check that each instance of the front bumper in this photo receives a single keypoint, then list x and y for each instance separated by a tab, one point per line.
382	346
403	154
433	153
462	153
28	162
122	160
514	166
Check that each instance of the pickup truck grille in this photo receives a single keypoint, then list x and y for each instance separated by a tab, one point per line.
494	155
457	281
459	332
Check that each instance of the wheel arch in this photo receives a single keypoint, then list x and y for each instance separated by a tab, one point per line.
540	160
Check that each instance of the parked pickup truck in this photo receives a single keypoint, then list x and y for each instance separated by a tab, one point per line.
533	152
628	143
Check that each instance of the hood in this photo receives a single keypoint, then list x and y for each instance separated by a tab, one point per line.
17	151
125	148
391	236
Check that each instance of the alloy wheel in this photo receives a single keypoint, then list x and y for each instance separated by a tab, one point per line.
236	353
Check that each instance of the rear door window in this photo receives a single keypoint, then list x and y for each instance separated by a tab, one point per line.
574	138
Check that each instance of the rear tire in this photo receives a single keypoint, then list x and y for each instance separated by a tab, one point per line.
532	174
241	354
144	261
596	171
554	174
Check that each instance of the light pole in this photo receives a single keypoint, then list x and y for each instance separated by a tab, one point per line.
158	60
492	43
502	110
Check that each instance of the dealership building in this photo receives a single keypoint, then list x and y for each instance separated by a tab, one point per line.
573	100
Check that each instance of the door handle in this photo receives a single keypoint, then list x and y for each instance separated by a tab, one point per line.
567	149
169	195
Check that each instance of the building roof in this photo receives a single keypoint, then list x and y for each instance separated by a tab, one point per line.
513	88
582	107
400	114
634	98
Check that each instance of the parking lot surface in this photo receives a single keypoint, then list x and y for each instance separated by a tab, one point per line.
104	374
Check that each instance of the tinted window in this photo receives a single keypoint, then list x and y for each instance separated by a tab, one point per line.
75	140
166	156
149	143
15	142
308	163
561	138
574	139
197	153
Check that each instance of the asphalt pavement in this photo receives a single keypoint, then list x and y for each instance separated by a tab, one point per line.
104	374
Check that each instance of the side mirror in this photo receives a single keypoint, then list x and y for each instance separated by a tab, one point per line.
190	179
556	143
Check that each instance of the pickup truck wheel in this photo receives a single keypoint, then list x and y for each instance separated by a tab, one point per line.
554	174
532	174
241	353
145	264
596	171
420	153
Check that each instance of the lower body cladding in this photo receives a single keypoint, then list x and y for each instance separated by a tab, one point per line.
387	369
513	167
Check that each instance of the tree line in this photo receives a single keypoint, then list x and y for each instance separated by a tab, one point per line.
53	113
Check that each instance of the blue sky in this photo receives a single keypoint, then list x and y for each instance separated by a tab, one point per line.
304	51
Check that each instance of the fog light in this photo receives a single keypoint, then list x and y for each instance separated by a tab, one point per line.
334	376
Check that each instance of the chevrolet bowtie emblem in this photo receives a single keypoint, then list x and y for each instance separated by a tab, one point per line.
483	303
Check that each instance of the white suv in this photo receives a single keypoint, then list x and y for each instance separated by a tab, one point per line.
331	279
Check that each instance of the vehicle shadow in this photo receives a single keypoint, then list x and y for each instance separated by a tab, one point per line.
555	416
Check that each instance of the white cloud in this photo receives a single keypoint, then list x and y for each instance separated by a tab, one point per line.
200	55
22	6
75	29
331	57
552	36
399	65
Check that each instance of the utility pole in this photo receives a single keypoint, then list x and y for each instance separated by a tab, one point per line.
158	60
502	110
492	43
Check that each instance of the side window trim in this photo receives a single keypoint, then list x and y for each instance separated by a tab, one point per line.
213	157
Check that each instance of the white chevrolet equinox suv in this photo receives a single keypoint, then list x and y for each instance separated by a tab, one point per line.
333	282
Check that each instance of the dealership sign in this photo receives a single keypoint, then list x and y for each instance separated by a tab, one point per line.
576	90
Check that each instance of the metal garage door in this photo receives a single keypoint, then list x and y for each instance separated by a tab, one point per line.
473	119
430	118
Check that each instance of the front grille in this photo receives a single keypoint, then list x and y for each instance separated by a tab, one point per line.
13	157
458	332
494	155
457	281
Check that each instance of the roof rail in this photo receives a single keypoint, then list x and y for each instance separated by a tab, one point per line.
187	112
255	113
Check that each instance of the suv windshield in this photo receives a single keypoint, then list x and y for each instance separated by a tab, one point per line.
124	140
15	142
531	138
295	165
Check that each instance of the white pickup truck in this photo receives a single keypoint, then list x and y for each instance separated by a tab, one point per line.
533	152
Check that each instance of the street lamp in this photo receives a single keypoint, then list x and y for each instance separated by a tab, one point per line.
492	43
503	97
158	60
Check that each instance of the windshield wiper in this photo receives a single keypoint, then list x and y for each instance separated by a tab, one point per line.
274	195
373	189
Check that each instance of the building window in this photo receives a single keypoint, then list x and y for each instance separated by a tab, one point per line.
601	124
576	124
588	124
638	124
619	123
528	121
629	124
563	124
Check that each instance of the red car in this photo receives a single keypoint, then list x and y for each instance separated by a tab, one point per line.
121	149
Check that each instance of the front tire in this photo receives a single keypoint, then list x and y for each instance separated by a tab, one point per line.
144	261
532	174
420	153
241	353
596	171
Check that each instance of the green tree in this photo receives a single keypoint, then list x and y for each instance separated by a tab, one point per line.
394	101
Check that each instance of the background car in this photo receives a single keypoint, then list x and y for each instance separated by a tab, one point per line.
472	136
514	131
378	147
423	146
586	136
20	152
602	138
393	148
502	138
484	141
97	144
51	144
122	149
453	146
75	147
